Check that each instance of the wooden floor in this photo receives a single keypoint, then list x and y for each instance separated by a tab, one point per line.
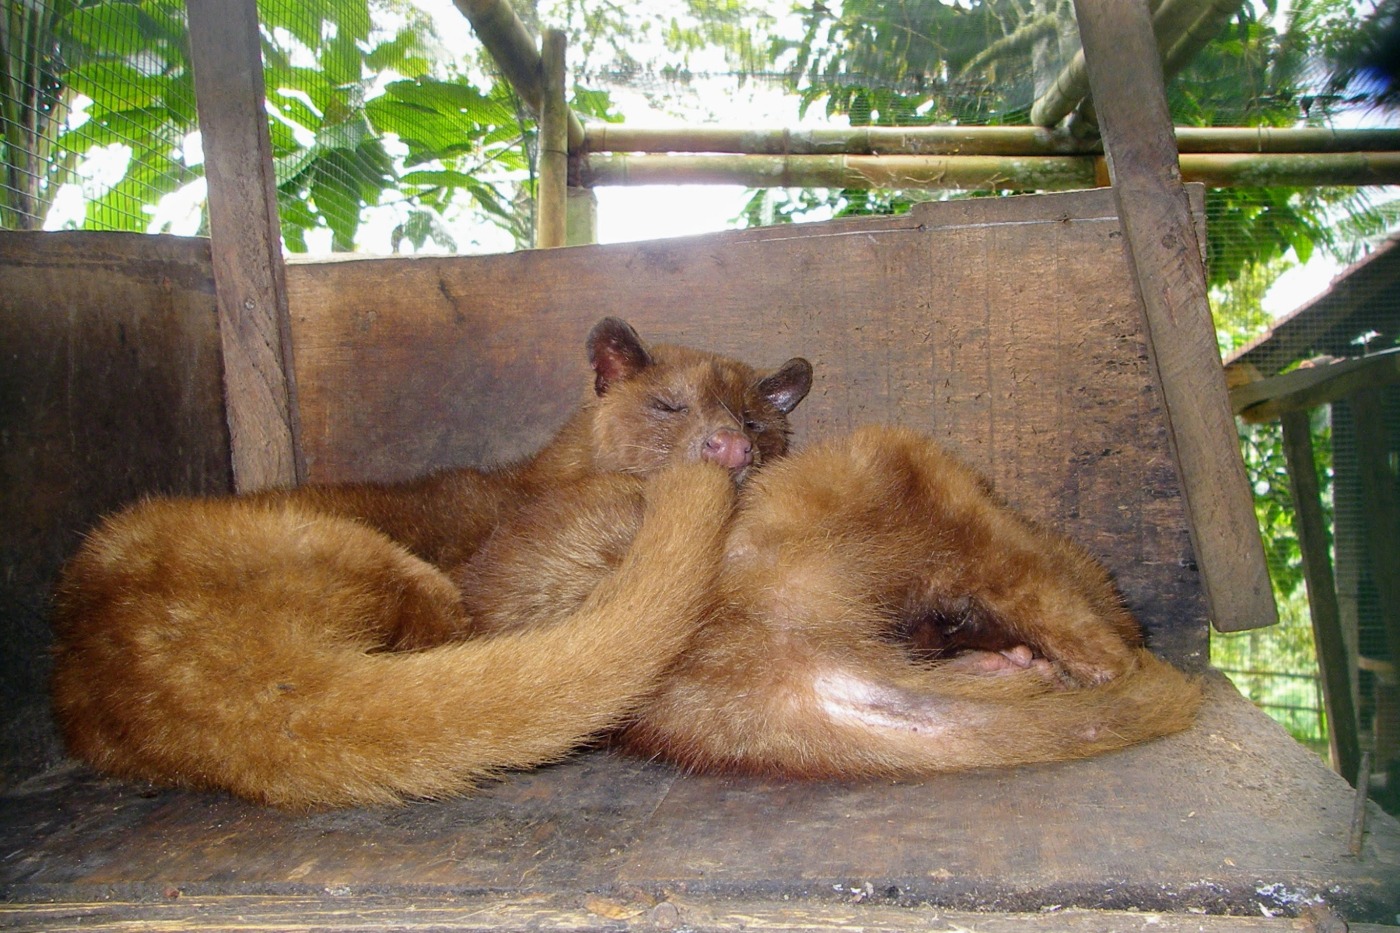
1231	818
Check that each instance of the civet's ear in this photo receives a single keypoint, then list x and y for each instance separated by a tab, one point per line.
788	386
615	352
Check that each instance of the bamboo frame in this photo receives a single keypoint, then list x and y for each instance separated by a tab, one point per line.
1178	26
552	198
513	50
965	140
978	172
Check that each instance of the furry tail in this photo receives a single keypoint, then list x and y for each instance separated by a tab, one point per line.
221	645
844	721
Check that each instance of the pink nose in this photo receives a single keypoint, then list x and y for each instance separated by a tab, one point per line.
729	449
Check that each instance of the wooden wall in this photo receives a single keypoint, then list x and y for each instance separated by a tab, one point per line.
110	389
1007	327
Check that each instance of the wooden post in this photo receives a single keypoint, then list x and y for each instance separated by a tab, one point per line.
552	198
1125	78
1333	658
254	328
1382	511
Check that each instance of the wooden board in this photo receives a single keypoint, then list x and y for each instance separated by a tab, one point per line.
1168	269
110	389
1231	817
596	914
260	387
1006	327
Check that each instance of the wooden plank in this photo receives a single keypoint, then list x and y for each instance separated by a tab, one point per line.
1334	660
1039	378
110	389
592	913
1311	386
1188	824
1382	512
1169	272
226	51
552	198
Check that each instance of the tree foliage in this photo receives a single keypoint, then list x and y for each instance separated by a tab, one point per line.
367	110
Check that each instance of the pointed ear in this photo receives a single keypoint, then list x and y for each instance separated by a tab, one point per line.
788	386
615	352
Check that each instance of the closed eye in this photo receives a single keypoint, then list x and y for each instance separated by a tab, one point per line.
668	406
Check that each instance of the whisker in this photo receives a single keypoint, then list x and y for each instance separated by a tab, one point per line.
729	411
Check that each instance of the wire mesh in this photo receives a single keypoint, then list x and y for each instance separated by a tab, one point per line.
97	114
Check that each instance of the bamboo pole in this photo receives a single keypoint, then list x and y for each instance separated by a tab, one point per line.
1292	169
967	140
513	50
552	196
1206	27
1044	173
1179	42
862	140
1173	21
998	173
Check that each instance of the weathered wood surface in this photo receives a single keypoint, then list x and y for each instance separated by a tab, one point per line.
110	389
1312	386
1125	77
260	387
1230	817
594	914
1333	659
1381	503
1005	327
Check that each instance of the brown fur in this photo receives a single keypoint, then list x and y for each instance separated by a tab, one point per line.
878	612
262	644
872	610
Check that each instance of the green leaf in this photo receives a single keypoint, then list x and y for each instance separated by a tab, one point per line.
452	98
335	195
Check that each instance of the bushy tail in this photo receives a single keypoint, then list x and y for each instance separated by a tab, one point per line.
184	654
901	720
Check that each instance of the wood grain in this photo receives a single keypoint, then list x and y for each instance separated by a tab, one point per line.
110	389
1333	659
1005	327
226	51
1230	817
1169	273
595	914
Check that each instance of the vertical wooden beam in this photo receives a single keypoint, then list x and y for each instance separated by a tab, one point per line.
1125	78
552	198
1382	511
1333	659
254	327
